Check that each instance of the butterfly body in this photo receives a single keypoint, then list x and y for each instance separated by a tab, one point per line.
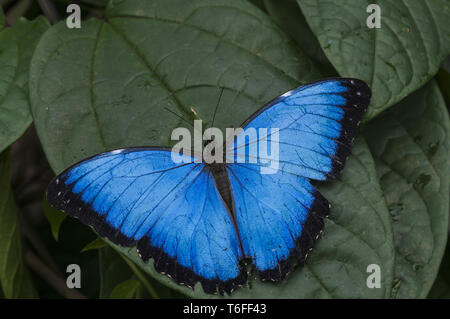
199	221
219	173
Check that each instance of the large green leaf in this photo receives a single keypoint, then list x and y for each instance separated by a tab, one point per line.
15	280
114	84
394	60
289	17
411	147
108	85
17	44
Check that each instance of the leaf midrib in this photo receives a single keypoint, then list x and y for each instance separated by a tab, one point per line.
267	62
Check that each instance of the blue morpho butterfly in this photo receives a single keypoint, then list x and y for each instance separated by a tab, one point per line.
200	222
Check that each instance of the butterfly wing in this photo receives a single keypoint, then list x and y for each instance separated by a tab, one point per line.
315	125
172	212
280	215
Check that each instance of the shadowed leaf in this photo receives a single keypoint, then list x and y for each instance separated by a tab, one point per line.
125	290
17	44
95	244
109	85
396	59
113	271
411	148
15	280
54	217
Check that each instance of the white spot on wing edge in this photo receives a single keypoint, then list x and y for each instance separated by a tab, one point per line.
288	93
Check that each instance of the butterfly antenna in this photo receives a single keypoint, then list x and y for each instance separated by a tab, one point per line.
217	107
179	116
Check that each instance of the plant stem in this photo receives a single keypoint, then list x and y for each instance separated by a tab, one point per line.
141	277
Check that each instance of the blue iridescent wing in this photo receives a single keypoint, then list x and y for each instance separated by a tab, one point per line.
280	215
315	124
172	212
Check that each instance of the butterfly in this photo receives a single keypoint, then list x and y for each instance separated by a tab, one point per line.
205	222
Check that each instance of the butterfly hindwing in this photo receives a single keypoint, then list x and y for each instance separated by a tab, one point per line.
172	212
278	215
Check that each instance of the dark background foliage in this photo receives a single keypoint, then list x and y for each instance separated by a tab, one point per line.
66	94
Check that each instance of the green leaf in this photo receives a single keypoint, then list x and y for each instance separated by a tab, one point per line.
15	280
54	217
17	44
394	60
99	3
259	4
441	287
411	147
443	78
2	18
113	270
446	64
125	290
141	276
95	244
358	233
289	17
85	102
